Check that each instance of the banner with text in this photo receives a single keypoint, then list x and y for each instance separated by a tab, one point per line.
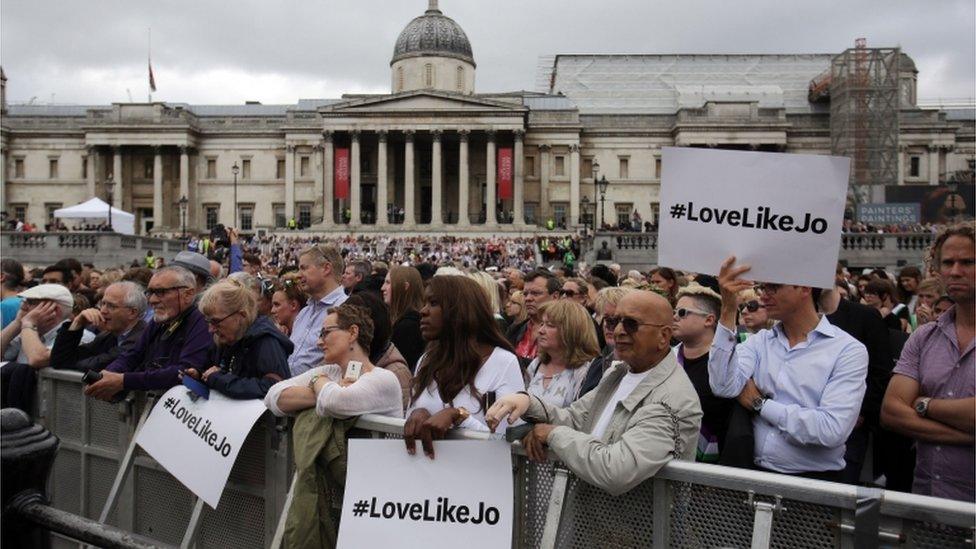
779	213
341	173
463	498
889	213
505	173
198	441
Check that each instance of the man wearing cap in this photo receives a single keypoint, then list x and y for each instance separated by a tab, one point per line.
176	339
196	264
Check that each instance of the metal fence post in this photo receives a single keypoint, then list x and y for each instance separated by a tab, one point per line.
762	527
554	513
663	501
126	464
193	527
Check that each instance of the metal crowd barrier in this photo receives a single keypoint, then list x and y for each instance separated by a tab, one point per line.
685	505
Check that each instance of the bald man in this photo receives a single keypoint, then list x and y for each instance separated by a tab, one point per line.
644	413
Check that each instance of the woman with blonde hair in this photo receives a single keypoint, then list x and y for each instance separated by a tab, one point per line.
515	308
566	345
490	287
249	354
752	314
403	291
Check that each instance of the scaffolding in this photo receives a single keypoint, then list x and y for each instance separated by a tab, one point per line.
864	112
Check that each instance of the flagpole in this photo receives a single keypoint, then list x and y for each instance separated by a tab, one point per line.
149	58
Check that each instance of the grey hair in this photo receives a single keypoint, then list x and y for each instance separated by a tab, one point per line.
246	280
183	276
135	297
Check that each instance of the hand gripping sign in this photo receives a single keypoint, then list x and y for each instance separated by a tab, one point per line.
779	213
197	441
461	499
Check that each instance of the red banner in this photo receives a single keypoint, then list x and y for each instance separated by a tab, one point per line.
342	173
504	174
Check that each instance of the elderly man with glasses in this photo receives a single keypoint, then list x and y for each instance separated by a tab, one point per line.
175	339
644	412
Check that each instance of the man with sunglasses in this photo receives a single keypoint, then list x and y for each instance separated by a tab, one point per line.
175	339
644	413
803	379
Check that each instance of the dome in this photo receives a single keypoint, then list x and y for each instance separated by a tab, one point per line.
433	34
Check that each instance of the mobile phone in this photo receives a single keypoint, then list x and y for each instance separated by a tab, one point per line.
91	376
518	432
353	370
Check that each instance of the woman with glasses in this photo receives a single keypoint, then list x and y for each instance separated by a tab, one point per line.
566	345
331	389
752	315
249	353
403	291
287	299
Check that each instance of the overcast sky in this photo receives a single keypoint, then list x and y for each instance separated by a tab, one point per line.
278	51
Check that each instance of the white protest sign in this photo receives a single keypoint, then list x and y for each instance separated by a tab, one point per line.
463	498
779	213
198	442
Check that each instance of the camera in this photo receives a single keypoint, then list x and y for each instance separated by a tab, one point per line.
219	236
91	376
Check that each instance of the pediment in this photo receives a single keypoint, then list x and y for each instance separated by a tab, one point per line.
421	102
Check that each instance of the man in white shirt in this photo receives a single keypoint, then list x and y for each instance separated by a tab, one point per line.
644	413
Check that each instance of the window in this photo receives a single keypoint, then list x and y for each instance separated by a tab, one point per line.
530	209
559	166
429	75
655	213
52	168
657	167
914	166
586	168
147	168
49	208
304	214
624	167
211	168
246	169
84	166
20	211
460	78
246	216
279	215
623	213
530	166
559	213
212	212
280	169
303	168
19	168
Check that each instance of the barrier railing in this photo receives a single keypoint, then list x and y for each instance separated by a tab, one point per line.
684	505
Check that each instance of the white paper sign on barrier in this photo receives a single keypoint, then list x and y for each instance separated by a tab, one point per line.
198	442
461	499
779	213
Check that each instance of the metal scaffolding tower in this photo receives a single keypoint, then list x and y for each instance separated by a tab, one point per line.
864	112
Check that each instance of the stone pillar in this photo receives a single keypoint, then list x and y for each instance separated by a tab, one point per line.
159	215
355	191
518	193
409	217
901	165
436	184
464	183
289	183
491	216
185	185
119	188
92	158
328	185
3	181
544	183
574	186
933	165
381	181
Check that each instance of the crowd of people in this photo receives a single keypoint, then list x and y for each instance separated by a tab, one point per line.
619	372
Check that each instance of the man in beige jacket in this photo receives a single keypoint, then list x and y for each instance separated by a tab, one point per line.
644	413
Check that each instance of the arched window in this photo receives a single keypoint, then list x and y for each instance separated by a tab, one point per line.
460	78
429	75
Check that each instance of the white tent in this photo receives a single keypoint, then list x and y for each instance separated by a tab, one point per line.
96	211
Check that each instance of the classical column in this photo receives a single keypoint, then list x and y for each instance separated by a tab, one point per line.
381	183
328	185
185	183
408	179
435	179
518	194
355	192
543	214
574	185
464	185
901	165
933	165
91	158
119	188
3	181
159	217
491	216
289	183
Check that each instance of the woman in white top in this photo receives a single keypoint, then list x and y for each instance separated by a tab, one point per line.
468	361
345	337
566	345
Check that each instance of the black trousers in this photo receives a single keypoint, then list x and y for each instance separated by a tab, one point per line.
830	476
18	385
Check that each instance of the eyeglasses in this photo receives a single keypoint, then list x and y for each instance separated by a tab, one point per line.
751	306
631	325
682	312
110	306
768	288
160	292
215	322
568	293
324	333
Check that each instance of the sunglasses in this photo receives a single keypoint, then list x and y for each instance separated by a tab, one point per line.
630	325
682	312
751	306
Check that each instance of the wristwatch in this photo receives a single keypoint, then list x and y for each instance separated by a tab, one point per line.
922	406
311	382
757	403
462	414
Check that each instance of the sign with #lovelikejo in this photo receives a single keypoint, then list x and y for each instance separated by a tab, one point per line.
462	499
198	441
779	213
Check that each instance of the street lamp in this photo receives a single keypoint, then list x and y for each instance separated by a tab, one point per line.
235	170
603	197
183	203
109	185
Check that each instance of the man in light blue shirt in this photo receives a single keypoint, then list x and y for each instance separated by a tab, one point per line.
319	268
804	378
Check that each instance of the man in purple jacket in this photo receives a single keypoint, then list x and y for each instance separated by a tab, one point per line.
175	339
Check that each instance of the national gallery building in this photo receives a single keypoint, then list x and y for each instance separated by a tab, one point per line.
434	155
